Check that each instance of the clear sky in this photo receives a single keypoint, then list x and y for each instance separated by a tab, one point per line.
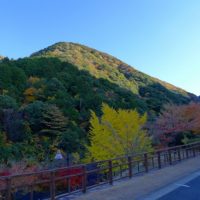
158	37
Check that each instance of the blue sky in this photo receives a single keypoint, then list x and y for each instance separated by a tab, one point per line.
158	37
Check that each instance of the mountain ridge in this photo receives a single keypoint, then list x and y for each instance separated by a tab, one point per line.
93	60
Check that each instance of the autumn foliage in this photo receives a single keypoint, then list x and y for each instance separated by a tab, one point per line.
177	119
19	168
117	132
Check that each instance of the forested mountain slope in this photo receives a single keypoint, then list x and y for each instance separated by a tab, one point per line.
103	65
45	99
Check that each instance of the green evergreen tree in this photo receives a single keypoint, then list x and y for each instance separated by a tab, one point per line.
54	122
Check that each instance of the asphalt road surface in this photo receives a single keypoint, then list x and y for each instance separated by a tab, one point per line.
186	191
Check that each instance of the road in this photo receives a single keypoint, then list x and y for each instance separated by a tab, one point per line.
188	191
184	189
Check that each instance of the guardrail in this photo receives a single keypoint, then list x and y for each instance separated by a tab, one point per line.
60	182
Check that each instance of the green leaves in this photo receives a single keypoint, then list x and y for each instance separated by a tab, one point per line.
53	121
7	102
45	100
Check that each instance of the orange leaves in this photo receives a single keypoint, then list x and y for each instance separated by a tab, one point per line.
34	90
30	94
32	80
176	119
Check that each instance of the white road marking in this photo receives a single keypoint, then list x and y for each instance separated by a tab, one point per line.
160	193
182	185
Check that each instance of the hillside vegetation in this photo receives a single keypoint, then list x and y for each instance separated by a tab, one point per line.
46	99
1	57
102	65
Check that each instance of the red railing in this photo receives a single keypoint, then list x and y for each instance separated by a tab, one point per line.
67	180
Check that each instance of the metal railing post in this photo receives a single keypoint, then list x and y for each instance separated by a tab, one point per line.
84	179
187	155
31	192
8	188
130	166
170	157
193	150
52	185
146	162
110	172
179	154
159	160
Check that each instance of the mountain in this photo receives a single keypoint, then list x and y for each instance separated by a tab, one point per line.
102	65
46	99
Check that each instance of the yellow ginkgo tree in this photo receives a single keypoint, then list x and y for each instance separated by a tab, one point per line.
116	133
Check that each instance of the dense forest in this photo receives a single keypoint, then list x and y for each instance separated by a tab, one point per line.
46	99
